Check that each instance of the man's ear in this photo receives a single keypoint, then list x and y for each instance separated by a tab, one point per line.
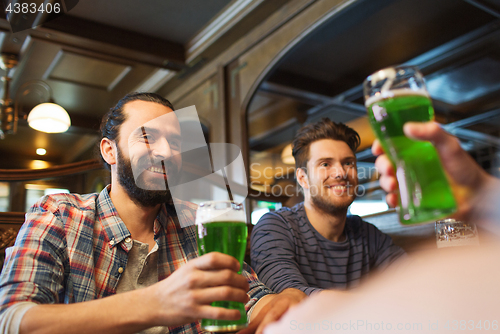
302	178
108	151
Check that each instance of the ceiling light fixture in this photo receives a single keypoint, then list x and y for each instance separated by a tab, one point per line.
41	151
49	117
46	117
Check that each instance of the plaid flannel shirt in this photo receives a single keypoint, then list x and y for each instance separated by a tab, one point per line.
71	249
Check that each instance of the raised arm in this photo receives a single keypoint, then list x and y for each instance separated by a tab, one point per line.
182	298
471	185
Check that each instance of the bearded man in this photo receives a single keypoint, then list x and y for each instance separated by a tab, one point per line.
120	261
315	245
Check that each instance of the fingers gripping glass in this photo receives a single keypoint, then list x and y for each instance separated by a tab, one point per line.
222	228
394	96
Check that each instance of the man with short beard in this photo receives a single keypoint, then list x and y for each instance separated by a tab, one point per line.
126	244
314	245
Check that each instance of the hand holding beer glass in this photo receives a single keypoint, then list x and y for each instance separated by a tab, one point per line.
394	96
222	228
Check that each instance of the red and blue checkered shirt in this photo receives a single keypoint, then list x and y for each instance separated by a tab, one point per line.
71	247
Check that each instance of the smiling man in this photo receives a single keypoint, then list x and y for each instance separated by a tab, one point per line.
120	261
315	245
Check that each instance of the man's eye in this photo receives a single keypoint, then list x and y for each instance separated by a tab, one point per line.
148	138
175	145
324	164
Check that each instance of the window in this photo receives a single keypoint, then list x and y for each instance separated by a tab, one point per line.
4	197
35	191
262	208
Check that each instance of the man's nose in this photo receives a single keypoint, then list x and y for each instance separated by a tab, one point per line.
338	171
161	149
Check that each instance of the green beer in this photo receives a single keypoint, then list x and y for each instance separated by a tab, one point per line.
224	233
425	194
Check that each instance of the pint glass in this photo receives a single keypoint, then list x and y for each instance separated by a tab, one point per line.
222	228
394	96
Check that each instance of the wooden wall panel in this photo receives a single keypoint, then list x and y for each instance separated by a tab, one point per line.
209	105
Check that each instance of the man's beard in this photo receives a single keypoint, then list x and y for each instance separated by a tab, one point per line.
324	203
143	197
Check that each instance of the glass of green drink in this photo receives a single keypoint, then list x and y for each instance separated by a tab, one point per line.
222	228
394	96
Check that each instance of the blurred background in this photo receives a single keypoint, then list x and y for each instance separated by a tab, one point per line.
256	71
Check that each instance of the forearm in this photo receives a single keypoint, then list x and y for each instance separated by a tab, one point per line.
294	296
279	274
259	305
178	300
274	257
123	313
303	287
289	278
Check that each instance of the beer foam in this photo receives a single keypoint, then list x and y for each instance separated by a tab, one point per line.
382	95
205	215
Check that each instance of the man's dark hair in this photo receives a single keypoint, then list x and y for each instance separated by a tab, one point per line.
324	129
113	119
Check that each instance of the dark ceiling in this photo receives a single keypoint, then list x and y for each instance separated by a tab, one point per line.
455	43
174	21
101	50
375	34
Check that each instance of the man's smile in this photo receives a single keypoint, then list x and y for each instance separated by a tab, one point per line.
157	170
342	185
339	188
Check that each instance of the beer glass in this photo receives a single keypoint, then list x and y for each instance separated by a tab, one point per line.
394	96
450	233
222	228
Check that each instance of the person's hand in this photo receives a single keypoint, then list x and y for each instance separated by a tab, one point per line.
271	308
467	178
185	296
